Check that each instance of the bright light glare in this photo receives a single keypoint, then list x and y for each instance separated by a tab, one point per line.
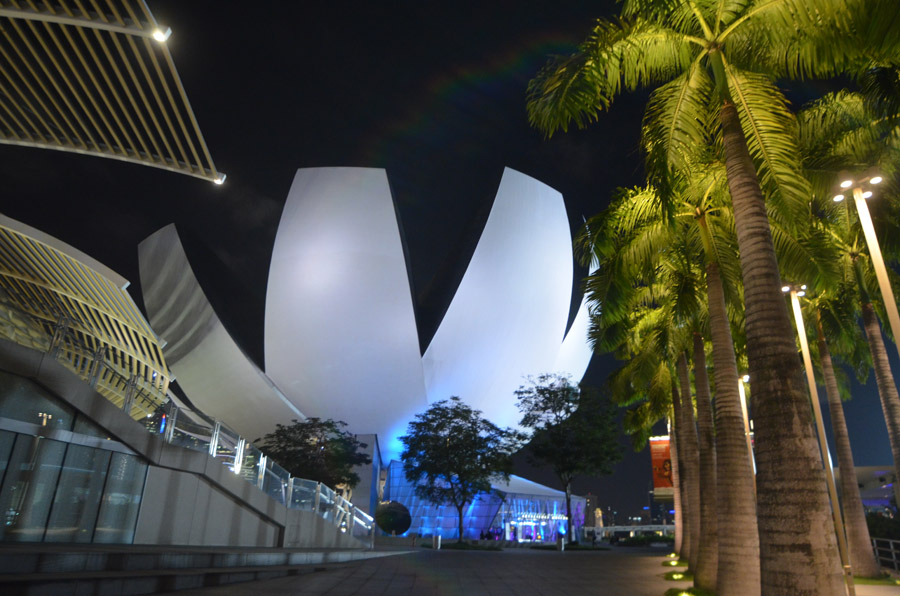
803	287
161	35
867	194
838	198
875	180
785	289
801	293
220	180
746	378
846	183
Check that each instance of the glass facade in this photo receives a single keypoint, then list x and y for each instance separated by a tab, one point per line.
62	479
60	489
503	516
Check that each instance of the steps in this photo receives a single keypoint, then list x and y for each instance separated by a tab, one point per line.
47	569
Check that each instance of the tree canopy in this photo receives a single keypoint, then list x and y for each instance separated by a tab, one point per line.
574	430
452	454
318	450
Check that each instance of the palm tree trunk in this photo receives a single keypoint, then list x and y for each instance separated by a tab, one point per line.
862	556
678	423
798	549
690	473
459	512
569	529
676	488
739	545
887	390
705	576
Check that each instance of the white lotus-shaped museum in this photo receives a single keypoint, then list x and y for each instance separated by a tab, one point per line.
340	329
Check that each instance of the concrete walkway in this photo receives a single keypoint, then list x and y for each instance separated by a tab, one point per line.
474	573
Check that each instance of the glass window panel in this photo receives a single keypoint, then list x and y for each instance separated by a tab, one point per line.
6	444
20	399
121	500
28	487
77	495
304	494
84	426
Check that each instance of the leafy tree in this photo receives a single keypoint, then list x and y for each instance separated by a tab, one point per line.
574	431
715	63
452	454
318	450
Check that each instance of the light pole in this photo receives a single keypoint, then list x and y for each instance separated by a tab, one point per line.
861	192
747	431
823	443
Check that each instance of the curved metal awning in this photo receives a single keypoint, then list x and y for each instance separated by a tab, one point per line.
96	77
56	299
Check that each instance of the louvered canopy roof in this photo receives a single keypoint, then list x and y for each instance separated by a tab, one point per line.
57	299
96	77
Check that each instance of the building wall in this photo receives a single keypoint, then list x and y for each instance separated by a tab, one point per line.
188	497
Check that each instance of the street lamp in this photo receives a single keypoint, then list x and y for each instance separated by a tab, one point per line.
859	198
743	395
795	293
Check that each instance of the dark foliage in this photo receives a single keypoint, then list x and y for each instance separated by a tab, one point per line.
317	450
453	454
393	517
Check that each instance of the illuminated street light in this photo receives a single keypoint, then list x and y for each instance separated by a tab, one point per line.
865	220
823	443
744	412
161	35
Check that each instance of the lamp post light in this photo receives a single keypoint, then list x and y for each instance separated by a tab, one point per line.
861	190
747	430
796	293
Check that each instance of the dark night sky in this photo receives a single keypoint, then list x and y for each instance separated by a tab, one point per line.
434	94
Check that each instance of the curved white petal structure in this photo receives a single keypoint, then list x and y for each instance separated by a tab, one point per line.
509	315
340	333
575	353
210	367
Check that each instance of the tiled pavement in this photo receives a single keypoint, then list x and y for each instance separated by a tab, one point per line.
625	572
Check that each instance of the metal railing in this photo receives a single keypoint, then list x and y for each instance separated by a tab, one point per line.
887	552
184	428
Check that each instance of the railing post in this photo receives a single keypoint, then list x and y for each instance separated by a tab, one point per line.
214	439
130	392
96	362
239	455
261	472
290	492
59	334
316	498
170	423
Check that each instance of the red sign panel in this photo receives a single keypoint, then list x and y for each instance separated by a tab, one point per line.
662	463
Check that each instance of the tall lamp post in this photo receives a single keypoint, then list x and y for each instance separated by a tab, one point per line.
795	293
861	190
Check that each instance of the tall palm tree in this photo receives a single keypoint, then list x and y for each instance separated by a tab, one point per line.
836	312
634	243
708	56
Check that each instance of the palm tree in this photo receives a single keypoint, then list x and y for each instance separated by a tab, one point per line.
633	235
708	56
836	312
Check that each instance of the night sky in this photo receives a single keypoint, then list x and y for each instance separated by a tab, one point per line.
433	94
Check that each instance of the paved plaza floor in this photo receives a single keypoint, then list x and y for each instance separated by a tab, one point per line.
621	572
469	573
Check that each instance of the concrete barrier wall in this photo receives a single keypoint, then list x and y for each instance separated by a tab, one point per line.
189	498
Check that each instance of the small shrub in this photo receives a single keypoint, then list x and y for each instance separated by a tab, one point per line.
393	517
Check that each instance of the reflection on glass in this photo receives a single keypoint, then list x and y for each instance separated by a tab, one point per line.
78	495
20	399
121	500
28	487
